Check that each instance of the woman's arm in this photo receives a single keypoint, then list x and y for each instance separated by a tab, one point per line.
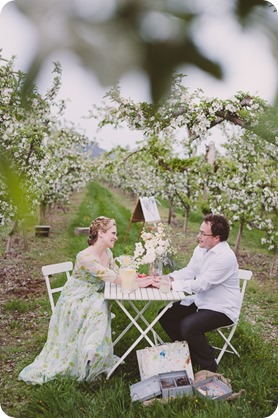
89	264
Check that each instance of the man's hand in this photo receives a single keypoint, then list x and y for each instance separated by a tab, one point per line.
156	281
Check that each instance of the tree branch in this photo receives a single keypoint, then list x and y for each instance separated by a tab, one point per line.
261	129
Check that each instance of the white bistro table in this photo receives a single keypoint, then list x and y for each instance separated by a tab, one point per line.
148	295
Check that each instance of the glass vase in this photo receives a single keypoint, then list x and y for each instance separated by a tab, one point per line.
156	268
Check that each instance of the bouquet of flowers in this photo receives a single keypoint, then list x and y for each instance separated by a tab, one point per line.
155	247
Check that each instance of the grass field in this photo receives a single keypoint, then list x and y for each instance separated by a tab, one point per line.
25	311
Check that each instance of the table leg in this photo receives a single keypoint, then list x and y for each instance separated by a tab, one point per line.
156	337
143	334
134	322
131	323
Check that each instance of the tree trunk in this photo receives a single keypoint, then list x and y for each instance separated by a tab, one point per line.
273	270
42	214
11	233
25	238
210	153
170	210
239	235
186	216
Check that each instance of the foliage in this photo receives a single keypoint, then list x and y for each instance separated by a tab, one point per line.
244	186
155	37
240	185
42	159
194	113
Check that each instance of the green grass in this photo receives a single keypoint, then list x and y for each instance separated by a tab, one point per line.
100	201
16	305
255	371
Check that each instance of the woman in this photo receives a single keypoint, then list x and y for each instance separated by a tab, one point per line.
79	342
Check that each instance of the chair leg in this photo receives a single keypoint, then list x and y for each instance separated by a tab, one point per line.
227	343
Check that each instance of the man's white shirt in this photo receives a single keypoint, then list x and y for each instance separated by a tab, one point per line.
213	276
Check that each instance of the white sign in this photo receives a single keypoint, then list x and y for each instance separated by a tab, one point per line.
149	208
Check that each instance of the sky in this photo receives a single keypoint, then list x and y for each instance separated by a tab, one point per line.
246	57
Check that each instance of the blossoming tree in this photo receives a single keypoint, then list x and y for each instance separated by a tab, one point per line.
244	186
41	158
188	178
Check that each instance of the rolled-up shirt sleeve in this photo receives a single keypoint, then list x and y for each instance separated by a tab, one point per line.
184	277
182	286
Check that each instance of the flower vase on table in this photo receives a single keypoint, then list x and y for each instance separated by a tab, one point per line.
156	268
154	249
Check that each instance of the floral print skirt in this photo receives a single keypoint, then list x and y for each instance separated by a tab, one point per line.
79	342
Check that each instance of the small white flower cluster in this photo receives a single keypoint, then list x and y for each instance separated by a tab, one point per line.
155	246
124	261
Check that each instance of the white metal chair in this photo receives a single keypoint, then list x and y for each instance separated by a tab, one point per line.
52	269
244	276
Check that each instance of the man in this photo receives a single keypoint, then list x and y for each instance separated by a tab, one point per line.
212	275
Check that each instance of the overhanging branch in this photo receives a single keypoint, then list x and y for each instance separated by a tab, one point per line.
262	129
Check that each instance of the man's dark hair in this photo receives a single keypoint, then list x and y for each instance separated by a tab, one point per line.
219	226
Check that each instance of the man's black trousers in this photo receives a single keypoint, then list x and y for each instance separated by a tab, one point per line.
188	323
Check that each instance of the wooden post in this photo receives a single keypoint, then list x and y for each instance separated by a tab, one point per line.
81	231
42	230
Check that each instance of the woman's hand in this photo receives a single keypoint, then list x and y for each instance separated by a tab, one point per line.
118	281
144	281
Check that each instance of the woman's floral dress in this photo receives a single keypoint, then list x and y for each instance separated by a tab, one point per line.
79	342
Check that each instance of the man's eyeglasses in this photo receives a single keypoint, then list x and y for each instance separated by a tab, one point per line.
205	235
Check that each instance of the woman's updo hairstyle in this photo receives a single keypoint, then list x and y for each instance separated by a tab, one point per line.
99	224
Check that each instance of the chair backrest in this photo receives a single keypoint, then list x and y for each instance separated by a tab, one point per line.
52	269
244	277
